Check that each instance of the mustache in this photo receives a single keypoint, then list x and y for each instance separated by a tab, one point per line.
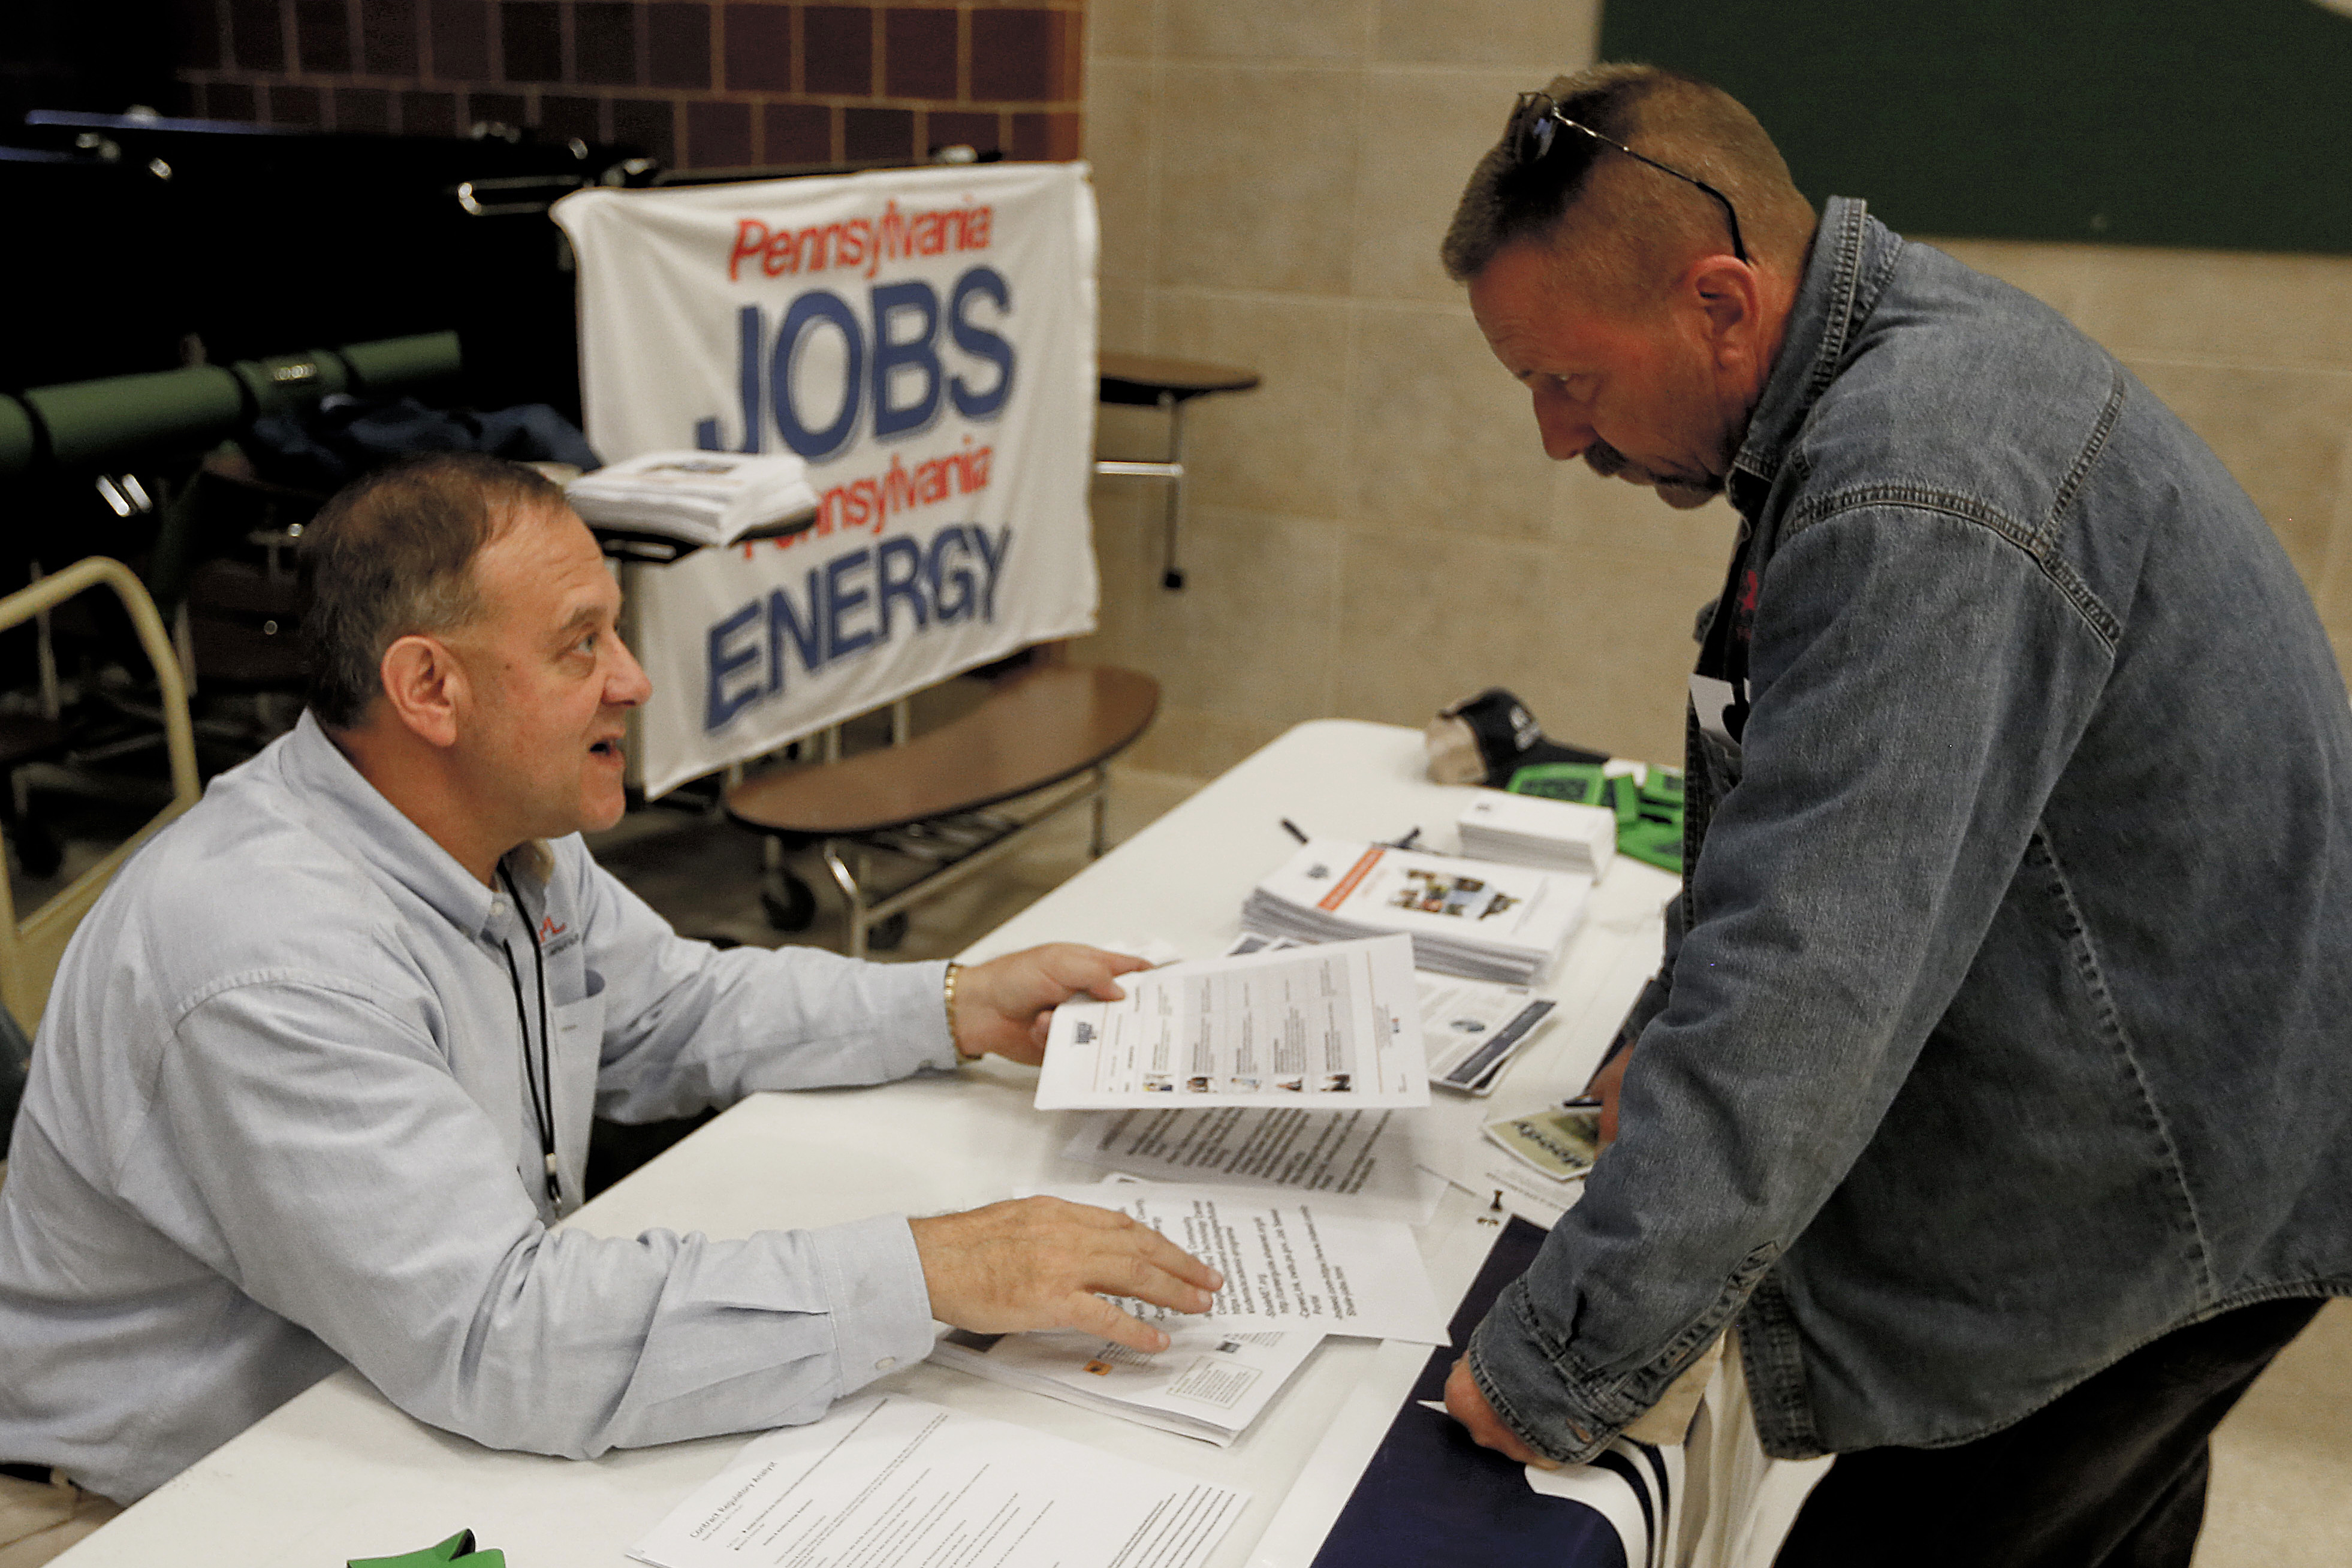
1676	491
1605	460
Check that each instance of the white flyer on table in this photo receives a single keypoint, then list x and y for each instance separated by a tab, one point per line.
1210	1382
1472	1029
1332	1025
885	1479
1369	1156
1288	1262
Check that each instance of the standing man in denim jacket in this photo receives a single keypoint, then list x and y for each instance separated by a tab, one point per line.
1996	1088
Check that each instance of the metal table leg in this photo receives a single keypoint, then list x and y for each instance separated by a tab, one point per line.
847	881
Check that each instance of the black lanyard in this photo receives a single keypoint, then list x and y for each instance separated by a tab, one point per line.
542	1086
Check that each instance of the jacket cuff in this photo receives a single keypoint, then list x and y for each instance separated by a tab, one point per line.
1561	1404
881	1309
1521	1373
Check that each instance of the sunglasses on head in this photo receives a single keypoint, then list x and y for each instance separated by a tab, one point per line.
1534	130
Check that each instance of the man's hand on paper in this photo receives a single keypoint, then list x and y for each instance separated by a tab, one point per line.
1605	1087
1003	1005
1469	1406
1039	1263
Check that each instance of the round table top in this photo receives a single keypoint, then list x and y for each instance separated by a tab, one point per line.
1047	723
1141	378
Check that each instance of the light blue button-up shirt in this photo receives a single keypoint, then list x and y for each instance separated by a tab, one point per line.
279	1122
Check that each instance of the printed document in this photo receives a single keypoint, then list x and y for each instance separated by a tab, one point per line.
1210	1382
886	1479
1476	918
1369	1156
1288	1262
1331	1027
1472	1029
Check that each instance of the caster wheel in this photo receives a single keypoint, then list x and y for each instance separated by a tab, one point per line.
888	934
789	902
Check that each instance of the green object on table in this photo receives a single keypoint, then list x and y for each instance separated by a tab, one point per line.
1581	782
1655	834
1658	843
457	1549
1649	810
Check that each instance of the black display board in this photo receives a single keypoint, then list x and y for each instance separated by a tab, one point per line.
2220	123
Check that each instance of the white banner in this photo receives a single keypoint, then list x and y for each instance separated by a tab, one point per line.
925	339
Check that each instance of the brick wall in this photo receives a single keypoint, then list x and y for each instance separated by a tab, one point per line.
702	84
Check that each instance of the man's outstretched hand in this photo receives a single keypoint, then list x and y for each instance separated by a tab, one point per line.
1004	1005
1038	1263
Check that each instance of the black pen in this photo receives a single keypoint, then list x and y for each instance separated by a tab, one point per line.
1293	829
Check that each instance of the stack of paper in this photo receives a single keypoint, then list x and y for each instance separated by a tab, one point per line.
701	498
1210	1382
1528	830
1368	1161
1470	918
1560	1143
1327	1027
1471	1029
1292	1263
885	1477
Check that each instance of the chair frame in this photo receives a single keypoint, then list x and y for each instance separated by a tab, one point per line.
30	948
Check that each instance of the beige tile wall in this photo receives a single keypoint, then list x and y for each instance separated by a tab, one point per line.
1374	531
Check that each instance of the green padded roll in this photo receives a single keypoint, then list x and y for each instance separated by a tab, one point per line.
88	421
402	361
16	439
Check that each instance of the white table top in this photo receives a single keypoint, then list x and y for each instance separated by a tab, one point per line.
338	1472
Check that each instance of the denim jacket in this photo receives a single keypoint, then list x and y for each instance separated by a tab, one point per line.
2008	1023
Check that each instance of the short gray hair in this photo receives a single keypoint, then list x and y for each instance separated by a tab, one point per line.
1639	220
392	555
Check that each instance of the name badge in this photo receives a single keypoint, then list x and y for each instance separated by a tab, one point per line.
1722	709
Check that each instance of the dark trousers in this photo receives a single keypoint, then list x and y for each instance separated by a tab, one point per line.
2109	1474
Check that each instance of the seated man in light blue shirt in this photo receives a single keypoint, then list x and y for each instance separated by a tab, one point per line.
316	1073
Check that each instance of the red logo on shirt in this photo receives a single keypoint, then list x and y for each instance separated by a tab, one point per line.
549	930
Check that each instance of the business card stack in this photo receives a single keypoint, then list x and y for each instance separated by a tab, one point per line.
1528	830
1479	920
695	498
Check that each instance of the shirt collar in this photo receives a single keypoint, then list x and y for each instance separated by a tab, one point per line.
1851	257
380	834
